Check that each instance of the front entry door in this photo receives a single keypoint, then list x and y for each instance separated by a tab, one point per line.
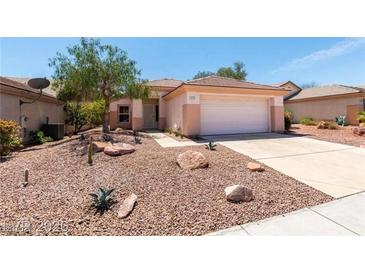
149	116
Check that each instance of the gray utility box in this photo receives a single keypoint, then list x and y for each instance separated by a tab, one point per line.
56	131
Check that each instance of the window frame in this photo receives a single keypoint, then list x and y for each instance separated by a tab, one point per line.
128	113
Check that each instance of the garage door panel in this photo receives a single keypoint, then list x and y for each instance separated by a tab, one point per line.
228	115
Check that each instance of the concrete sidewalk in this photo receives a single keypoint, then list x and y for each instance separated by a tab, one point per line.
165	141
345	216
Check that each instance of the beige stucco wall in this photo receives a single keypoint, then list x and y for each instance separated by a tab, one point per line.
326	109
113	113
174	111
36	112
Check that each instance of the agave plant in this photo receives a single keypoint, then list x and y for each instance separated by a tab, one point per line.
210	145
102	200
137	140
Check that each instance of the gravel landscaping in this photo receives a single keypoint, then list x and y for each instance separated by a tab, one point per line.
342	135
171	201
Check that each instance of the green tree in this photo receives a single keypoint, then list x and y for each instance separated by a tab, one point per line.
92	71
238	72
202	74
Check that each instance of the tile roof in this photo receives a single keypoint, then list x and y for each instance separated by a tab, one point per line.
165	83
326	91
219	81
21	83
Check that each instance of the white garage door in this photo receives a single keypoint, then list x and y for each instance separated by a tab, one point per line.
233	114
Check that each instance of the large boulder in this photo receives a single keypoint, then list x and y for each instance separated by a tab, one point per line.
255	167
112	151
238	193
100	146
127	206
118	149
124	148
191	160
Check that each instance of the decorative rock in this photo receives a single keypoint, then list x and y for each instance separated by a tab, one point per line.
127	206
100	146
118	149
359	131
124	148
119	129
238	193
111	151
191	160
255	167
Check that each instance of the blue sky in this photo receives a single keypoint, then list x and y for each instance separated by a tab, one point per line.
267	60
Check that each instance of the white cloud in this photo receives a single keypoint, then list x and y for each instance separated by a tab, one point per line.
338	49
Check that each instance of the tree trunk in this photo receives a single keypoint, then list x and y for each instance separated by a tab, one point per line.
106	116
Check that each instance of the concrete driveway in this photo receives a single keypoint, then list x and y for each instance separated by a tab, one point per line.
335	169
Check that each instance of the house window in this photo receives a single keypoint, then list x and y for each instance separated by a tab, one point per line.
124	114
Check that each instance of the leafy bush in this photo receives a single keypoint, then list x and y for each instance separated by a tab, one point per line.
288	117
102	200
361	116
39	138
210	145
9	136
308	121
81	114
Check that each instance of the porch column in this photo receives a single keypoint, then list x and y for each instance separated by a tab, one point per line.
277	114
137	114
161	113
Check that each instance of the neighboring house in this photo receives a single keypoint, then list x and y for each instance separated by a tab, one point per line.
327	103
29	116
292	88
205	106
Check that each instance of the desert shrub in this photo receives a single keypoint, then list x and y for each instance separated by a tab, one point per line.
102	200
9	136
308	121
81	114
169	130
288	117
38	137
178	133
361	116
332	126
327	125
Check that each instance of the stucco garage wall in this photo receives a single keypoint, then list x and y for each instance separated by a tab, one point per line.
37	112
326	109
174	110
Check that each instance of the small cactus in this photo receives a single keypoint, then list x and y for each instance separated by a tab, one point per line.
90	152
26	177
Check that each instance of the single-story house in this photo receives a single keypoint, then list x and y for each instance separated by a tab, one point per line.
327	103
204	106
47	108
